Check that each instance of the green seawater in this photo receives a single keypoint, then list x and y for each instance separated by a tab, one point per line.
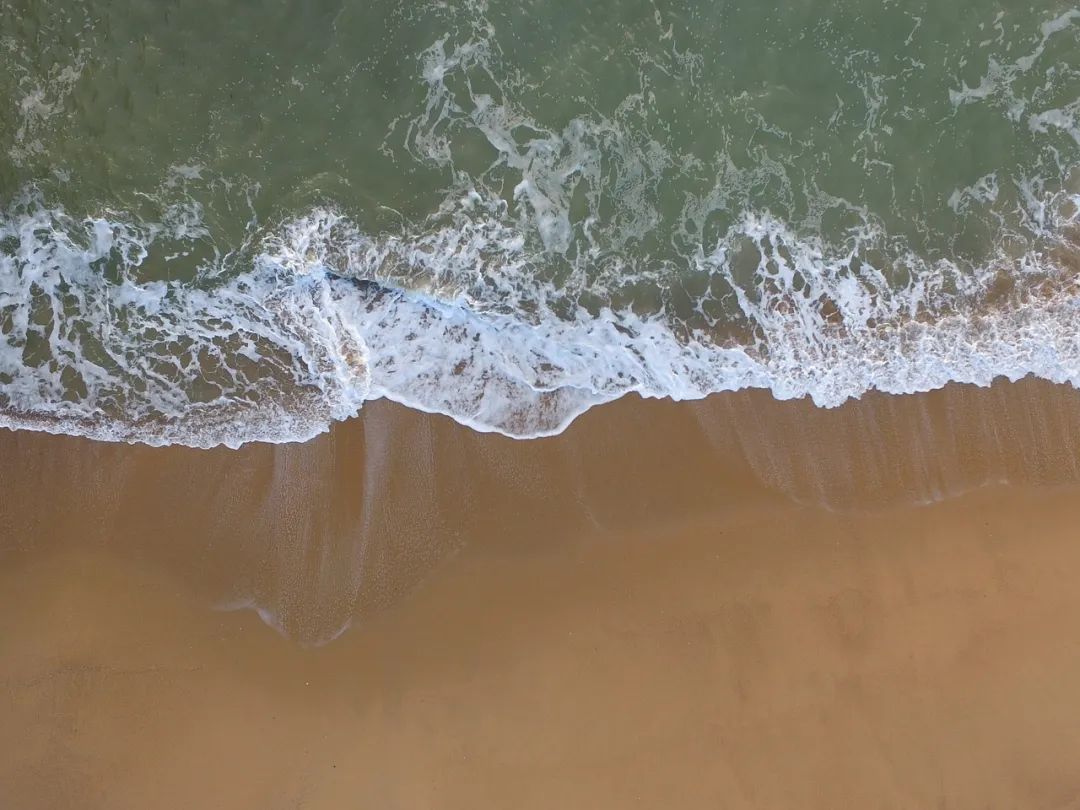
224	221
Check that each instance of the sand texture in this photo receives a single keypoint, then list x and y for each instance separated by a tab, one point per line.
738	604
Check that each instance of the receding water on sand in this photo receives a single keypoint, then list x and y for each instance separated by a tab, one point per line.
786	296
316	536
634	609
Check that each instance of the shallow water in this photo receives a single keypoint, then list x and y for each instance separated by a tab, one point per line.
223	223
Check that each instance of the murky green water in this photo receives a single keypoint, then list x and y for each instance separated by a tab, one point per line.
548	204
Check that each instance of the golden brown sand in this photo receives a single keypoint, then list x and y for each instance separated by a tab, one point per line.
736	603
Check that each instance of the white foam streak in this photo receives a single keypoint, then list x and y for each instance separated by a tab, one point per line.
255	358
1000	77
293	344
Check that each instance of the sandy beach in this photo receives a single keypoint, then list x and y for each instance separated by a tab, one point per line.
736	603
493	405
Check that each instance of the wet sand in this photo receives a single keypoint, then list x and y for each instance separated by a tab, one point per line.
736	603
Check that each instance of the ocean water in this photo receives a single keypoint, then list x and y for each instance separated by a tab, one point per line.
225	221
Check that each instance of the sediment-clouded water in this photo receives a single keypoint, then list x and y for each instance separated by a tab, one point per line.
222	224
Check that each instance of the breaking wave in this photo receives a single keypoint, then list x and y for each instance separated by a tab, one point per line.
454	321
556	267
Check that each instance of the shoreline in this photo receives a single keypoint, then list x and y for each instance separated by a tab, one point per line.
388	490
740	602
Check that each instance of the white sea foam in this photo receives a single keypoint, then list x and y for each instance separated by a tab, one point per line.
530	294
282	350
1000	77
261	356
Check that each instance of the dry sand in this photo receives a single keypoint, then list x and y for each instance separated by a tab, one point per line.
736	603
